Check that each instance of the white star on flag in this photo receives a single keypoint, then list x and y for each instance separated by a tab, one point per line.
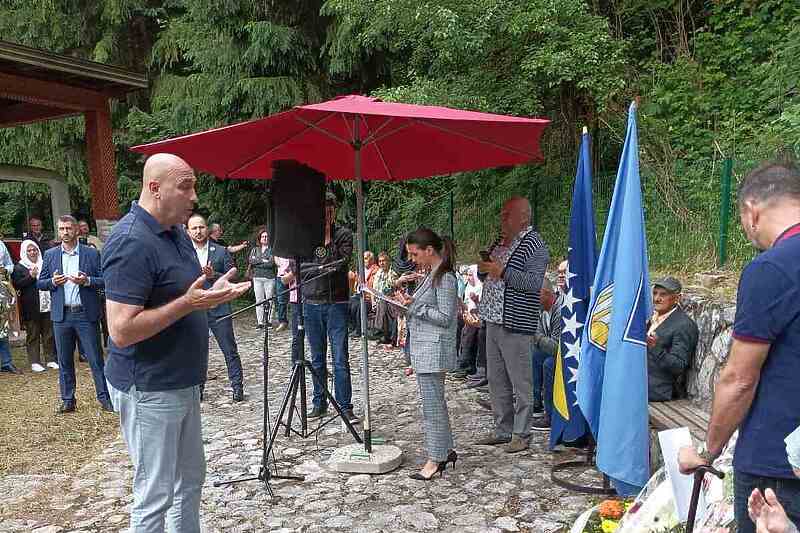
574	378
570	300
571	325
570	275
573	350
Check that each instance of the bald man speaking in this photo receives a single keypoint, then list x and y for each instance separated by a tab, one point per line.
158	352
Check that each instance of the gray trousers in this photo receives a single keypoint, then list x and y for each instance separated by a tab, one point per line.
510	373
435	417
163	433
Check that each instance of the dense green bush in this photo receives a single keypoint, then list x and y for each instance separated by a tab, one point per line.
716	79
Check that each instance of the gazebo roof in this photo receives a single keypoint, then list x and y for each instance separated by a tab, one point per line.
38	85
46	66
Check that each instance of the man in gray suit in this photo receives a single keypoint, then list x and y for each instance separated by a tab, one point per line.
671	342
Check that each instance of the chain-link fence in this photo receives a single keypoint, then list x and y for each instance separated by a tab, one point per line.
691	215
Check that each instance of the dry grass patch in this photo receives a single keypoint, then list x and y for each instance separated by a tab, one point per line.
36	440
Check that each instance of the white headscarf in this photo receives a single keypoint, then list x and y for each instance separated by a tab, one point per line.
475	287
23	255
44	296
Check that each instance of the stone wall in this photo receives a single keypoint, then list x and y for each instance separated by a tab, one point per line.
714	319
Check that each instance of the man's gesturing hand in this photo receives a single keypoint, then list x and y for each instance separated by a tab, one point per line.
222	291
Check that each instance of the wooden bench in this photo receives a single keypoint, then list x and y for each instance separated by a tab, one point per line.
679	413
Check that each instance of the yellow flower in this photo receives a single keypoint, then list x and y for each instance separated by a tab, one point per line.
609	526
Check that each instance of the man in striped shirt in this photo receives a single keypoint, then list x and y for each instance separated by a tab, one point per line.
510	305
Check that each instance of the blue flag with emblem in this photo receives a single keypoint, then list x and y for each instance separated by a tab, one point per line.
567	422
612	376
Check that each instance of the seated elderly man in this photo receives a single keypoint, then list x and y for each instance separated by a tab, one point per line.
545	346
671	341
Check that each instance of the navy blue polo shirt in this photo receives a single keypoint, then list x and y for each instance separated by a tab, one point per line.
768	311
145	264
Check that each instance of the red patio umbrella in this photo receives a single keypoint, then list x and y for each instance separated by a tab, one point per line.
386	141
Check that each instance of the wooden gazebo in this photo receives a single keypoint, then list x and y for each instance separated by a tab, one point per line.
37	85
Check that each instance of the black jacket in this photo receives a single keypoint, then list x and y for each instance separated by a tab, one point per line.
672	355
28	293
334	287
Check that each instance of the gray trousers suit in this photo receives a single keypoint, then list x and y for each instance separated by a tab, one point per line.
432	326
509	369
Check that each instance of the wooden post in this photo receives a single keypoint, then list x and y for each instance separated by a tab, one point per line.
102	169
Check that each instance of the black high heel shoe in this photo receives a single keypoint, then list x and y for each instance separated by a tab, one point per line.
451	458
440	468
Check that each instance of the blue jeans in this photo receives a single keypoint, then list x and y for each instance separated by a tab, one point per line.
787	491
163	433
539	358
323	323
223	332
281	300
548	371
66	333
5	354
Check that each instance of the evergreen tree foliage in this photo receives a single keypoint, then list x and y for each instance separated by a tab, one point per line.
716	79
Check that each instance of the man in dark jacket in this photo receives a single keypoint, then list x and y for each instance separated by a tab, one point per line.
215	261
72	274
671	341
326	314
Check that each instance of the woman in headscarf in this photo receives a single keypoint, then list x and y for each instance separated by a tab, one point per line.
35	308
467	358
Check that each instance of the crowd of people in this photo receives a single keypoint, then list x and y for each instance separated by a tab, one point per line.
164	278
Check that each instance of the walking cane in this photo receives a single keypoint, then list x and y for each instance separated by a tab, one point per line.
699	474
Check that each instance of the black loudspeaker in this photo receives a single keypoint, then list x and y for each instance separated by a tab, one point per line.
298	209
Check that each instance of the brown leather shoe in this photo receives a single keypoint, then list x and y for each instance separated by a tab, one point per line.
517	444
492	440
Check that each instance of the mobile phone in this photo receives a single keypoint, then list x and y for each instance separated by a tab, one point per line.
484	255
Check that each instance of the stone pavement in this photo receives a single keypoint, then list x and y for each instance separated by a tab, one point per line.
489	491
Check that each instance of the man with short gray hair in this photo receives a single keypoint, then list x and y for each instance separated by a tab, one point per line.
757	390
513	269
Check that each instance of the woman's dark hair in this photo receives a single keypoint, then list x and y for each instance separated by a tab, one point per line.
257	234
444	246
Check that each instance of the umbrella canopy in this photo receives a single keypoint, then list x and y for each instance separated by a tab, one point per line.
395	141
384	141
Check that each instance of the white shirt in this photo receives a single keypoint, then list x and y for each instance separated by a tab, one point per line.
202	253
70	262
657	320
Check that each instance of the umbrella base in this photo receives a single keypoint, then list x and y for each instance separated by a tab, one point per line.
353	459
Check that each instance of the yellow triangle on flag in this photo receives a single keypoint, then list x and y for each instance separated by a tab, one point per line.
559	392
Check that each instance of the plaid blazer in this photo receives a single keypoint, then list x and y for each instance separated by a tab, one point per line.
432	325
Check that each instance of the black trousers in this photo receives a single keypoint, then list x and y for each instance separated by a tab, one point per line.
223	332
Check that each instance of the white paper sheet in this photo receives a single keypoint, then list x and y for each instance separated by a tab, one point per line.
671	442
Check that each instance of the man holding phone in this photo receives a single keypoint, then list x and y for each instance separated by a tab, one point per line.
72	274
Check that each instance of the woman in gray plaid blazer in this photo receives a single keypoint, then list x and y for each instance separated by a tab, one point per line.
432	316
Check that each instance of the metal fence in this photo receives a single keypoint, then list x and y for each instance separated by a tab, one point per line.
691	216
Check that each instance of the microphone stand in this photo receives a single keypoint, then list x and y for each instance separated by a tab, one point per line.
297	383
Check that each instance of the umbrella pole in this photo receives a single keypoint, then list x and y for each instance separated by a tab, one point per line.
362	281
